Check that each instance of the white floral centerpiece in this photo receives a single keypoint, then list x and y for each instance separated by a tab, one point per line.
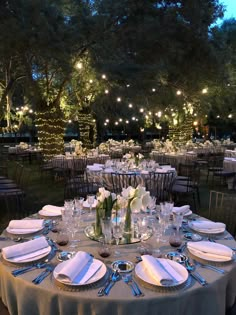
135	199
157	144
106	202
103	147
23	145
169	146
208	143
78	147
130	143
133	159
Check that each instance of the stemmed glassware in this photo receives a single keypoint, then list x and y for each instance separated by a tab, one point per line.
118	230
90	200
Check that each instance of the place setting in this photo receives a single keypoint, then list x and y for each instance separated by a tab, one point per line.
25	253
161	274
81	272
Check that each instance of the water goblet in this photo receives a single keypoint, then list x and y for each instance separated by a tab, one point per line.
118	230
90	200
79	201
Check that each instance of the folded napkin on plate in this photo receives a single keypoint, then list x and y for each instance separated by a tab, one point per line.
52	209
210	250
159	270
144	172
26	226
183	209
27	250
79	269
87	205
210	226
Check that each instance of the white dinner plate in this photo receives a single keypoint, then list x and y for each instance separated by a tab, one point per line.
45	213
203	256
140	272
32	257
97	276
206	231
23	231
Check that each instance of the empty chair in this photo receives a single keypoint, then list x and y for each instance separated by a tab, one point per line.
222	208
79	187
187	183
79	166
159	185
120	181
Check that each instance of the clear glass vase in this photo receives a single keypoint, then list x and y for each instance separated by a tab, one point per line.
128	220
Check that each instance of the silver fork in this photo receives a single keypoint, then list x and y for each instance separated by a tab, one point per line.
135	285
43	275
197	263
127	280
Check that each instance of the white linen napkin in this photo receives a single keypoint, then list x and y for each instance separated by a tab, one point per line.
210	250
183	209
27	250
25	226
79	269
160	271
52	209
87	205
208	226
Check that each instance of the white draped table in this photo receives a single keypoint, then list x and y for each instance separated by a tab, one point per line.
22	297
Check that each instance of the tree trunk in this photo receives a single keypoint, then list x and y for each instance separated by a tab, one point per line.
50	125
87	129
183	131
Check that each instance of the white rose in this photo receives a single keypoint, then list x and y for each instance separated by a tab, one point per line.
136	204
128	192
146	199
113	196
140	191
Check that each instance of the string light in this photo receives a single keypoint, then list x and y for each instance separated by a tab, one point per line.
130	105
204	91
118	99
141	110
230	116
178	92
104	76
153	90
90	81
106	91
79	65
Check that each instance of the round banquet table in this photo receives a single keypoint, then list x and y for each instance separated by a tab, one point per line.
22	297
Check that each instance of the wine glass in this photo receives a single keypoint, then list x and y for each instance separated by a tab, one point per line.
79	204
90	200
